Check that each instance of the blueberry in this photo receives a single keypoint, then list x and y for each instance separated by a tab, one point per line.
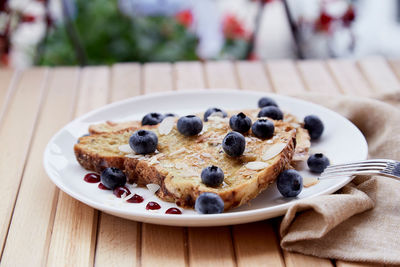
234	144
152	119
266	101
213	110
271	112
212	176
169	115
112	178
314	126
209	203
143	141
317	162
263	128
289	183
78	141
189	125
240	123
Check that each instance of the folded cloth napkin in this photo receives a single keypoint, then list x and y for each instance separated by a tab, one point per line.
361	222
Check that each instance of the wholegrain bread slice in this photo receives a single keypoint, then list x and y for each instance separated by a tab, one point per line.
178	161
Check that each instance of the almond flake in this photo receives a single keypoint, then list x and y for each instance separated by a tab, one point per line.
178	151
309	181
153	188
272	151
166	125
125	148
256	165
206	155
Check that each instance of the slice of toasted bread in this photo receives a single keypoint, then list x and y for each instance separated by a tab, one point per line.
178	161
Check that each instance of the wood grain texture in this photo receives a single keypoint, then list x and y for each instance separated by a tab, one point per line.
220	74
16	132
316	76
349	77
189	75
210	246
33	220
252	76
8	78
162	246
296	259
256	244
284	77
378	73
158	77
118	239
125	81
75	224
116	242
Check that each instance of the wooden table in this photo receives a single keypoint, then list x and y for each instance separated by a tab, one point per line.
41	225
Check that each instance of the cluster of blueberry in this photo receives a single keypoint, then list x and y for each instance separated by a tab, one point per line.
289	182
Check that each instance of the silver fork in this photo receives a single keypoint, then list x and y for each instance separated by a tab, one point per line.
384	167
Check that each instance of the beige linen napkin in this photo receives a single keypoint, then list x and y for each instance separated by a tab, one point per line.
361	222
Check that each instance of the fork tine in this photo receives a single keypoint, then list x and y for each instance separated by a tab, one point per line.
340	174
366	162
355	168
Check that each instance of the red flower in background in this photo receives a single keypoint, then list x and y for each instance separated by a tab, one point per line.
185	18
232	28
349	16
324	21
28	18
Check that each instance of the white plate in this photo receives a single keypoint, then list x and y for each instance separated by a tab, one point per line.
341	142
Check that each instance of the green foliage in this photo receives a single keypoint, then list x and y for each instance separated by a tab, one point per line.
108	37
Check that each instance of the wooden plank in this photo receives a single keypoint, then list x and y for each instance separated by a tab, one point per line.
379	74
117	242
252	76
125	81
256	244
220	74
316	76
296	259
32	221
210	246
189	75
8	78
74	232
118	239
157	77
162	246
348	77
284	77
357	264
16	132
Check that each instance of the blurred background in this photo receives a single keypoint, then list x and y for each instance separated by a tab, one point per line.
82	32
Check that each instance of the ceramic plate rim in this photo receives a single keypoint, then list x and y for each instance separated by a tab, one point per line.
193	219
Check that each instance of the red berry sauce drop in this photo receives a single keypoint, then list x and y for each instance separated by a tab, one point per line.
135	199
173	211
103	187
153	206
92	178
120	190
